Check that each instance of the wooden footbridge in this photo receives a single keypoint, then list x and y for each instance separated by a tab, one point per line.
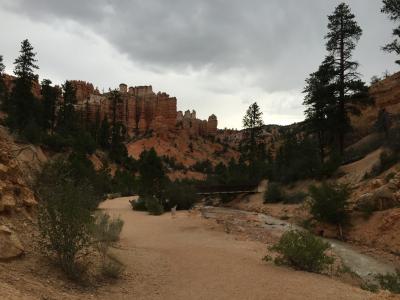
208	190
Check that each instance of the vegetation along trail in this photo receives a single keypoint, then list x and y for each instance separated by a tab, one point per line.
188	257
363	265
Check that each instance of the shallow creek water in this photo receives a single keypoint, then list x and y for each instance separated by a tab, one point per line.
363	265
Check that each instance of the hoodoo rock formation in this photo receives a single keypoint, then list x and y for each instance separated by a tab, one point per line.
141	110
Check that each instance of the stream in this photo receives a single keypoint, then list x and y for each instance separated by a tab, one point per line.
363	265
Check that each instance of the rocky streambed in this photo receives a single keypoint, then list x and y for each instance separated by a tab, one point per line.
260	224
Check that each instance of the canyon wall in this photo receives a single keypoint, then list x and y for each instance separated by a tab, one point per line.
141	110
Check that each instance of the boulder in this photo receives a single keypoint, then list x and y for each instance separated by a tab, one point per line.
28	199
7	202
10	245
377	183
3	171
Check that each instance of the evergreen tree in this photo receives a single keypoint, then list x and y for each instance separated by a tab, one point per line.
50	97
253	127
115	98
118	150
320	102
104	134
22	109
2	66
152	175
342	37
95	126
67	119
392	8
383	122
3	92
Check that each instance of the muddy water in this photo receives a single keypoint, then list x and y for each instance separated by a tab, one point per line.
363	265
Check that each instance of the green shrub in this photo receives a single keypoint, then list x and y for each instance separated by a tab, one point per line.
274	193
124	183
370	287
390	282
153	206
139	204
64	216
56	142
329	203
112	268
180	193
390	176
295	198
301	250
106	230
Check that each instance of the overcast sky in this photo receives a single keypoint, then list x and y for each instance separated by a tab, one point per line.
215	56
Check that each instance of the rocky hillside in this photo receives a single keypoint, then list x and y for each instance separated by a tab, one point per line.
386	94
18	164
185	150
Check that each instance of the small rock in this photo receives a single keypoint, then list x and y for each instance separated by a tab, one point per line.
7	202
10	245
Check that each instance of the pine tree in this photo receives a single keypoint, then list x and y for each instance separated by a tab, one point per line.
383	122
95	126
118	151
115	98
23	103
343	35
67	119
392	8
253	125
320	102
152	174
104	134
3	91
50	96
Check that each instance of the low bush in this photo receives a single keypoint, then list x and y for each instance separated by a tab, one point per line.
390	282
112	268
64	216
181	194
106	230
329	203
139	204
370	287
295	198
153	206
274	193
301	250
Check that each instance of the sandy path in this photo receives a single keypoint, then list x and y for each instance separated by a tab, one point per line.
185	258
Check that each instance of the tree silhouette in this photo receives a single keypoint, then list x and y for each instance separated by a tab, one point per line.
50	97
3	91
321	102
343	35
392	8
253	126
67	119
22	102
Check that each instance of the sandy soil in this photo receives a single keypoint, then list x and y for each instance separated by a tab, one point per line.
188	257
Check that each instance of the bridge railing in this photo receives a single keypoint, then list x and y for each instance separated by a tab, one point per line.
226	189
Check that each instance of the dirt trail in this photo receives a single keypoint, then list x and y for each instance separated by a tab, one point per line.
191	258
